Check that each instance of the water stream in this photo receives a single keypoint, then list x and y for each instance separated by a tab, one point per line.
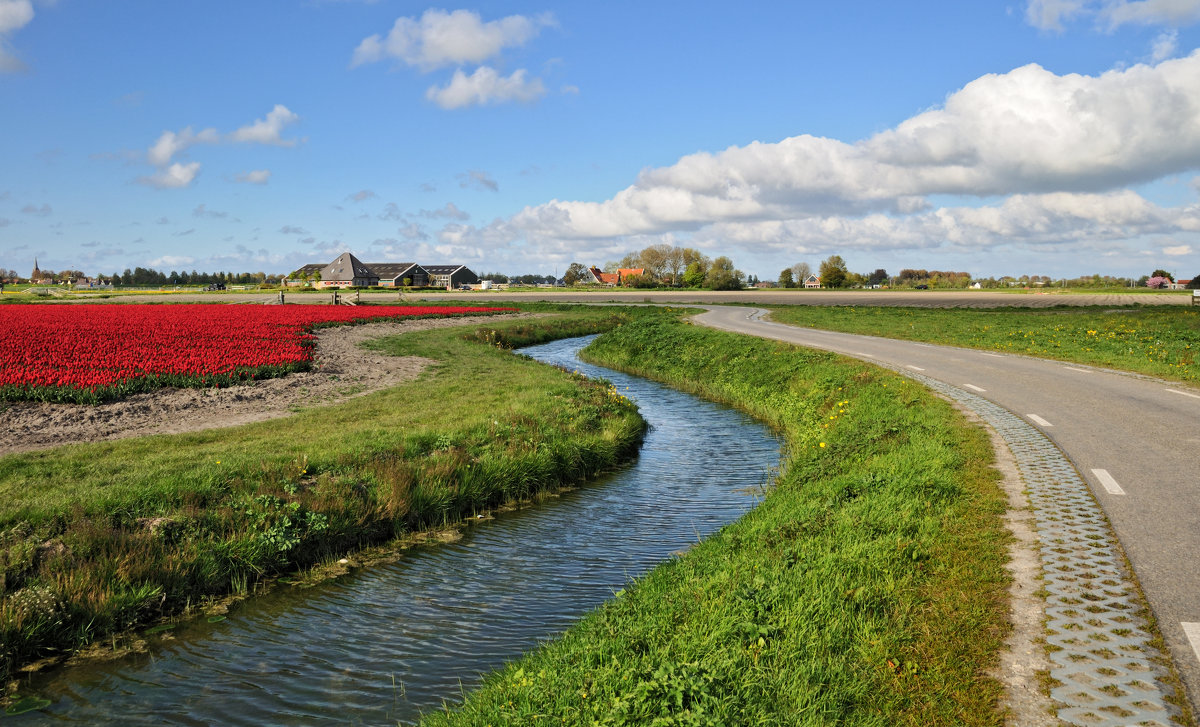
388	643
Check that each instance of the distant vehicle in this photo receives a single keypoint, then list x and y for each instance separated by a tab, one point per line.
464	287
216	286
922	286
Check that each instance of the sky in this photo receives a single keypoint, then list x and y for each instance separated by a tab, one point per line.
1035	137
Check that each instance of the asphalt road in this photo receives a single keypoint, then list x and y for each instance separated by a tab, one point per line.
1133	438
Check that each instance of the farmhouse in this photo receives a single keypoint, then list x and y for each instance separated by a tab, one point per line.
347	271
812	281
617	278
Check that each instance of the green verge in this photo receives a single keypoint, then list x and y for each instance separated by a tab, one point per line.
99	538
868	588
1159	340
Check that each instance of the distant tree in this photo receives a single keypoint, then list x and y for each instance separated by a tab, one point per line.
575	274
695	274
785	279
879	277
1162	274
1158	281
1193	285
800	273
722	275
834	273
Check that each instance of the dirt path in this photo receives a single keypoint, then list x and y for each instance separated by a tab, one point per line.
343	370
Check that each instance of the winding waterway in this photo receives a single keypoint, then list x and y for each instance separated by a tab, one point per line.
386	643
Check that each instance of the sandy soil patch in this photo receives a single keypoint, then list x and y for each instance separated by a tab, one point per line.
343	370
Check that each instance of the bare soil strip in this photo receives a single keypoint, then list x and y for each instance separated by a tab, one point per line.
343	369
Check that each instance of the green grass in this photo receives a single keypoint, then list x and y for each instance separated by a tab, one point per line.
97	538
1158	340
867	589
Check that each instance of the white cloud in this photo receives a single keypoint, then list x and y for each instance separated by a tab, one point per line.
171	143
202	210
1112	14
257	176
1165	45
14	15
1050	14
1028	131
438	39
485	86
172	177
267	130
1177	250
293	230
167	261
362	195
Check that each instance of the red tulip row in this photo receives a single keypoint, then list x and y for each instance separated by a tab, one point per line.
90	353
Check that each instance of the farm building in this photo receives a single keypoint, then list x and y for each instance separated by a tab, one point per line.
347	271
393	275
451	276
617	278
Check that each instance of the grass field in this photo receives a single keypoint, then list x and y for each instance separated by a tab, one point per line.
1161	341
867	589
97	538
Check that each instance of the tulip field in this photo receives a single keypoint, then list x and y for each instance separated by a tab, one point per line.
93	353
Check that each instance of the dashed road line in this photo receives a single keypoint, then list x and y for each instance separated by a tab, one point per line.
973	387
1184	393
1109	482
1192	631
914	368
993	355
867	355
1038	420
1072	368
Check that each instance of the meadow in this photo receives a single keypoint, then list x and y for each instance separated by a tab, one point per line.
868	588
103	537
1157	340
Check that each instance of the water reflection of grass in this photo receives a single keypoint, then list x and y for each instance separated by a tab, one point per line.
1158	340
103	537
867	588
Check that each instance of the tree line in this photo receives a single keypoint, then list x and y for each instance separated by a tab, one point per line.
670	266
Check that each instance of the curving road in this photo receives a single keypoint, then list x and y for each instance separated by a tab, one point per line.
1133	438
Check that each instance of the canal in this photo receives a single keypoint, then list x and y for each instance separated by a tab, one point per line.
387	643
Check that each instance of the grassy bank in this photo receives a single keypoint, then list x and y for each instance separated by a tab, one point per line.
102	537
1157	340
867	589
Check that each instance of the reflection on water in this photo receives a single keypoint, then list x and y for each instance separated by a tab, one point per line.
386	643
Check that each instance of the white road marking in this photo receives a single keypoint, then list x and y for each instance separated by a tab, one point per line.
1108	482
867	355
923	345
1072	368
914	368
973	387
1038	420
1184	393
1192	630
993	355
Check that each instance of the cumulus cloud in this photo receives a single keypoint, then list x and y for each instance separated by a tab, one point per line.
391	211
37	211
478	179
1028	131
171	143
1112	14
14	15
413	231
257	176
267	130
293	230
438	39
174	176
362	195
1177	250
484	87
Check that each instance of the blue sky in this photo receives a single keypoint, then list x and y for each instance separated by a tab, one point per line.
1047	137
